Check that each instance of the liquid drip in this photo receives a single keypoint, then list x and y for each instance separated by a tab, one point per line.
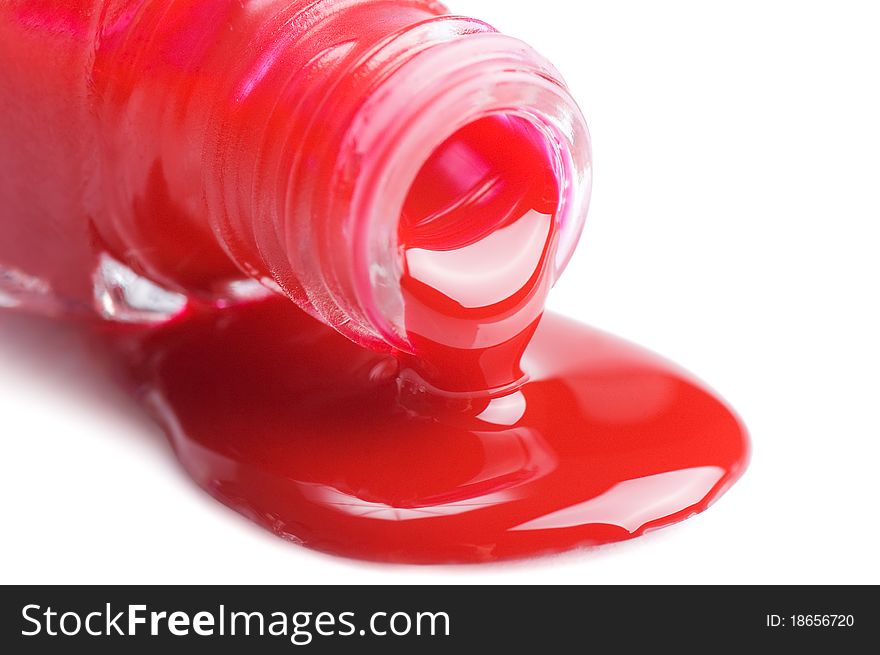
478	233
302	431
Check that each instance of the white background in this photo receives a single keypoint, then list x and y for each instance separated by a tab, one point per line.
734	228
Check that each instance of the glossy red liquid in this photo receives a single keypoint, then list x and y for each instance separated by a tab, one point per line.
300	430
197	142
477	235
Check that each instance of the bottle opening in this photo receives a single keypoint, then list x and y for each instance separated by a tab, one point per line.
478	221
476	237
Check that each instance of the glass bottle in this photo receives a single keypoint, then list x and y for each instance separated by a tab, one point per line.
413	179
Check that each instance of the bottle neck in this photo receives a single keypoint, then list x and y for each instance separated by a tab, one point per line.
415	180
461	186
463	84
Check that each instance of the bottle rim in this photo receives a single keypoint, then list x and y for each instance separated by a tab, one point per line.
427	100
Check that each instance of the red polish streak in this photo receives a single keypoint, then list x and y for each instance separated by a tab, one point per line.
481	429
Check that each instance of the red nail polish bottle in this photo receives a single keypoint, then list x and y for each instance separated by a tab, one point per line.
416	181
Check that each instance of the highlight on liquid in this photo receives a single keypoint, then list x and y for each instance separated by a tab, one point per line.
316	238
477	233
